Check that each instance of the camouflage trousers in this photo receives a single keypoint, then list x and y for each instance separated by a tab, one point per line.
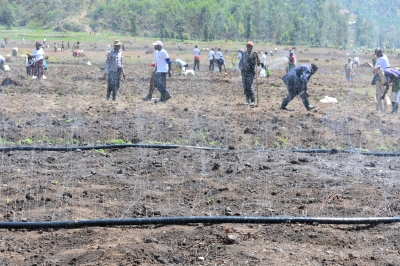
247	81
113	83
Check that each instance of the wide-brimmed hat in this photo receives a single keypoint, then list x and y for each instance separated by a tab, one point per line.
38	43
116	42
159	43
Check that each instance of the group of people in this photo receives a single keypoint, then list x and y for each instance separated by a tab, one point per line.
296	79
216	58
35	63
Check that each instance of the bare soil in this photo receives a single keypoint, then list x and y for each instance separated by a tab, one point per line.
259	175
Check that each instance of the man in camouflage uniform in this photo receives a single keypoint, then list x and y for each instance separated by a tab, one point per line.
248	64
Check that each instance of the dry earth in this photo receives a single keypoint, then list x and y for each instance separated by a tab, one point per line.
259	175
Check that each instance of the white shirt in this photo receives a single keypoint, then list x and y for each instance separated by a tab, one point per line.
240	55
218	54
211	55
38	54
160	60
263	59
196	52
383	62
182	63
27	63
2	60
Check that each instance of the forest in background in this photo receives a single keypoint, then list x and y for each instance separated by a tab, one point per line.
339	23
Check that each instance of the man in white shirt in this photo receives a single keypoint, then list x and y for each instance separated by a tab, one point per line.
263	60
211	59
239	56
196	52
162	67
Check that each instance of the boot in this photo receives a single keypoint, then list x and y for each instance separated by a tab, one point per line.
307	104
395	108
147	98
284	104
163	98
373	82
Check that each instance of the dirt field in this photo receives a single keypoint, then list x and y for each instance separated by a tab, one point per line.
249	170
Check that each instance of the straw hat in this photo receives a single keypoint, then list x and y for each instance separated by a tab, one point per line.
116	42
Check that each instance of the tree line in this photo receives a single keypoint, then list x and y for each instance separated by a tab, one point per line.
291	22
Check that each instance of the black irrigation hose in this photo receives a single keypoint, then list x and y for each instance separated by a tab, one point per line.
196	219
97	147
161	146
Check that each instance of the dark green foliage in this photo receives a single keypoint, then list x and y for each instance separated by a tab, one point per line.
7	15
72	27
290	22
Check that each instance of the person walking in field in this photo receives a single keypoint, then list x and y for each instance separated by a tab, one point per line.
162	68
38	67
113	70
296	82
196	52
248	63
348	67
211	58
292	61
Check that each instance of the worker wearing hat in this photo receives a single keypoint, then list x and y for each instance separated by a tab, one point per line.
114	68
248	70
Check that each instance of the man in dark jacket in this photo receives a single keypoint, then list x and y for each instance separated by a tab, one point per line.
296	82
248	71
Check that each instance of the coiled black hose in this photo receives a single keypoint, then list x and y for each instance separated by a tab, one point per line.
195	219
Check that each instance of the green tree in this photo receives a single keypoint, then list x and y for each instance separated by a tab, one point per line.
248	27
134	24
362	32
7	15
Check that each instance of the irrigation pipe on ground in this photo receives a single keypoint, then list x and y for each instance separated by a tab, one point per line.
195	219
161	146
